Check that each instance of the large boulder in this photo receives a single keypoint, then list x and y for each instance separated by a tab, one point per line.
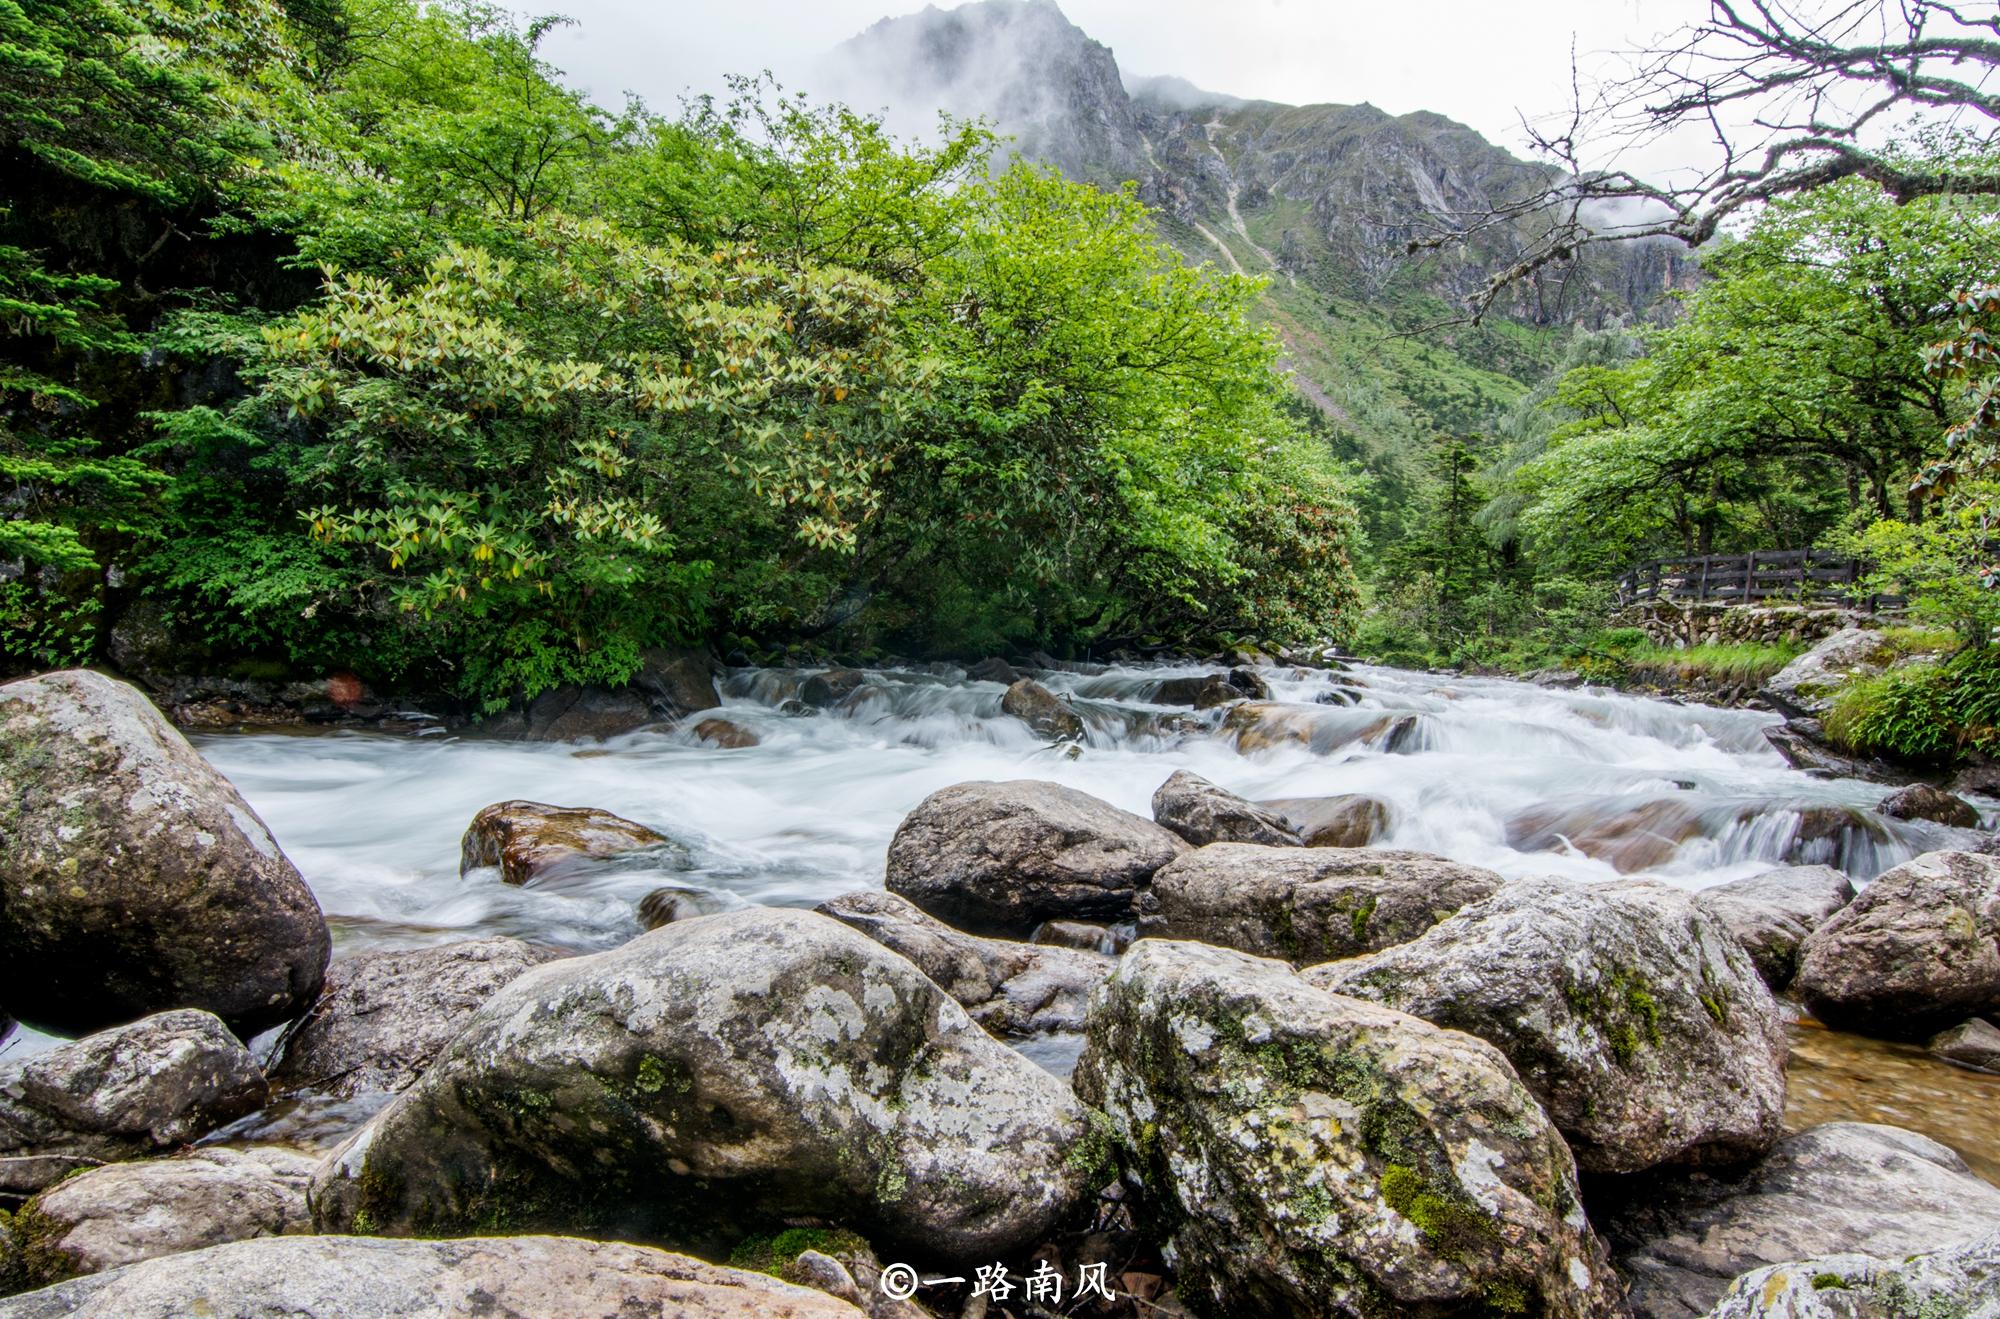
531	840
1805	688
133	877
1917	951
382	1017
126	1212
826	690
1042	710
577	714
1015	990
307	1277
1001	858
1772	913
713	1077
1679	1237
1631	1014
1202	813
123	1093
1349	820
677	681
1308	905
1305	1154
1961	1282
1974	1043
1921	801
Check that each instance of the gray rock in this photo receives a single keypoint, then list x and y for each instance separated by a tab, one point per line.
994	669
1632	1015
1308	905
1349	820
1917	951
1306	1154
683	902
1087	935
826	690
133	877
1974	1043
578	714
531	840
1202	813
1805	687
112	1216
308	1277
1001	858
1042	710
1921	801
382	1017
677	682
1013	989
1957	1283
1190	690
716	1077
1772	913
1680	1237
120	1094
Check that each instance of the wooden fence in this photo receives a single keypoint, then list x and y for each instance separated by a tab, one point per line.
1799	576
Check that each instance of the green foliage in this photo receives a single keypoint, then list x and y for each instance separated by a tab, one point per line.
1942	563
1971	359
1928	713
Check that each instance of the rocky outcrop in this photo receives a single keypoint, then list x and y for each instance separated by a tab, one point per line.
531	840
133	877
1202	813
113	1216
1805	688
1307	1154
1917	951
1349	820
1680	1237
1957	1283
1772	913
1015	990
1042	710
382	1017
1001	858
308	1277
715	1077
1921	801
121	1094
1974	1043
1631	1014
1308	905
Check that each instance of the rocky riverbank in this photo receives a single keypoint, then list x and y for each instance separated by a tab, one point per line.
1282	1071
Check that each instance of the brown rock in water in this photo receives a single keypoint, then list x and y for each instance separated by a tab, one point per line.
1974	1043
1188	690
994	669
1349	820
530	840
1262	725
1042	710
681	902
1202	813
826	690
134	878
1630	838
1920	801
726	734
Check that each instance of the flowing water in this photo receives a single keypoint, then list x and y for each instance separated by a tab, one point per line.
1515	777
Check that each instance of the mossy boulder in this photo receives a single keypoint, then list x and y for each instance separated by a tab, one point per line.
1302	1153
1307	905
133	877
715	1078
1633	1015
1919	950
1960	1282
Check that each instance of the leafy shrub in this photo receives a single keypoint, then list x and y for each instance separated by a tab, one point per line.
1927	713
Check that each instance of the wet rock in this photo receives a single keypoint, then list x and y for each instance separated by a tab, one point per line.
1632	1015
1956	1283
1772	913
344	1277
1001	858
677	682
1920	801
1308	905
1217	693
1974	1043
133	877
1015	990
825	690
1630	838
1262	725
1042	710
531	840
382	1017
1188	690
1917	951
122	1093
1349	820
1312	1155
1680	1237
682	902
1805	687
994	669
727	734
714	1078
1802	742
1202	813
580	714
1250	684
1087	935
109	1217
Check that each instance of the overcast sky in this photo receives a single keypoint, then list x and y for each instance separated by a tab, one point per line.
1478	61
